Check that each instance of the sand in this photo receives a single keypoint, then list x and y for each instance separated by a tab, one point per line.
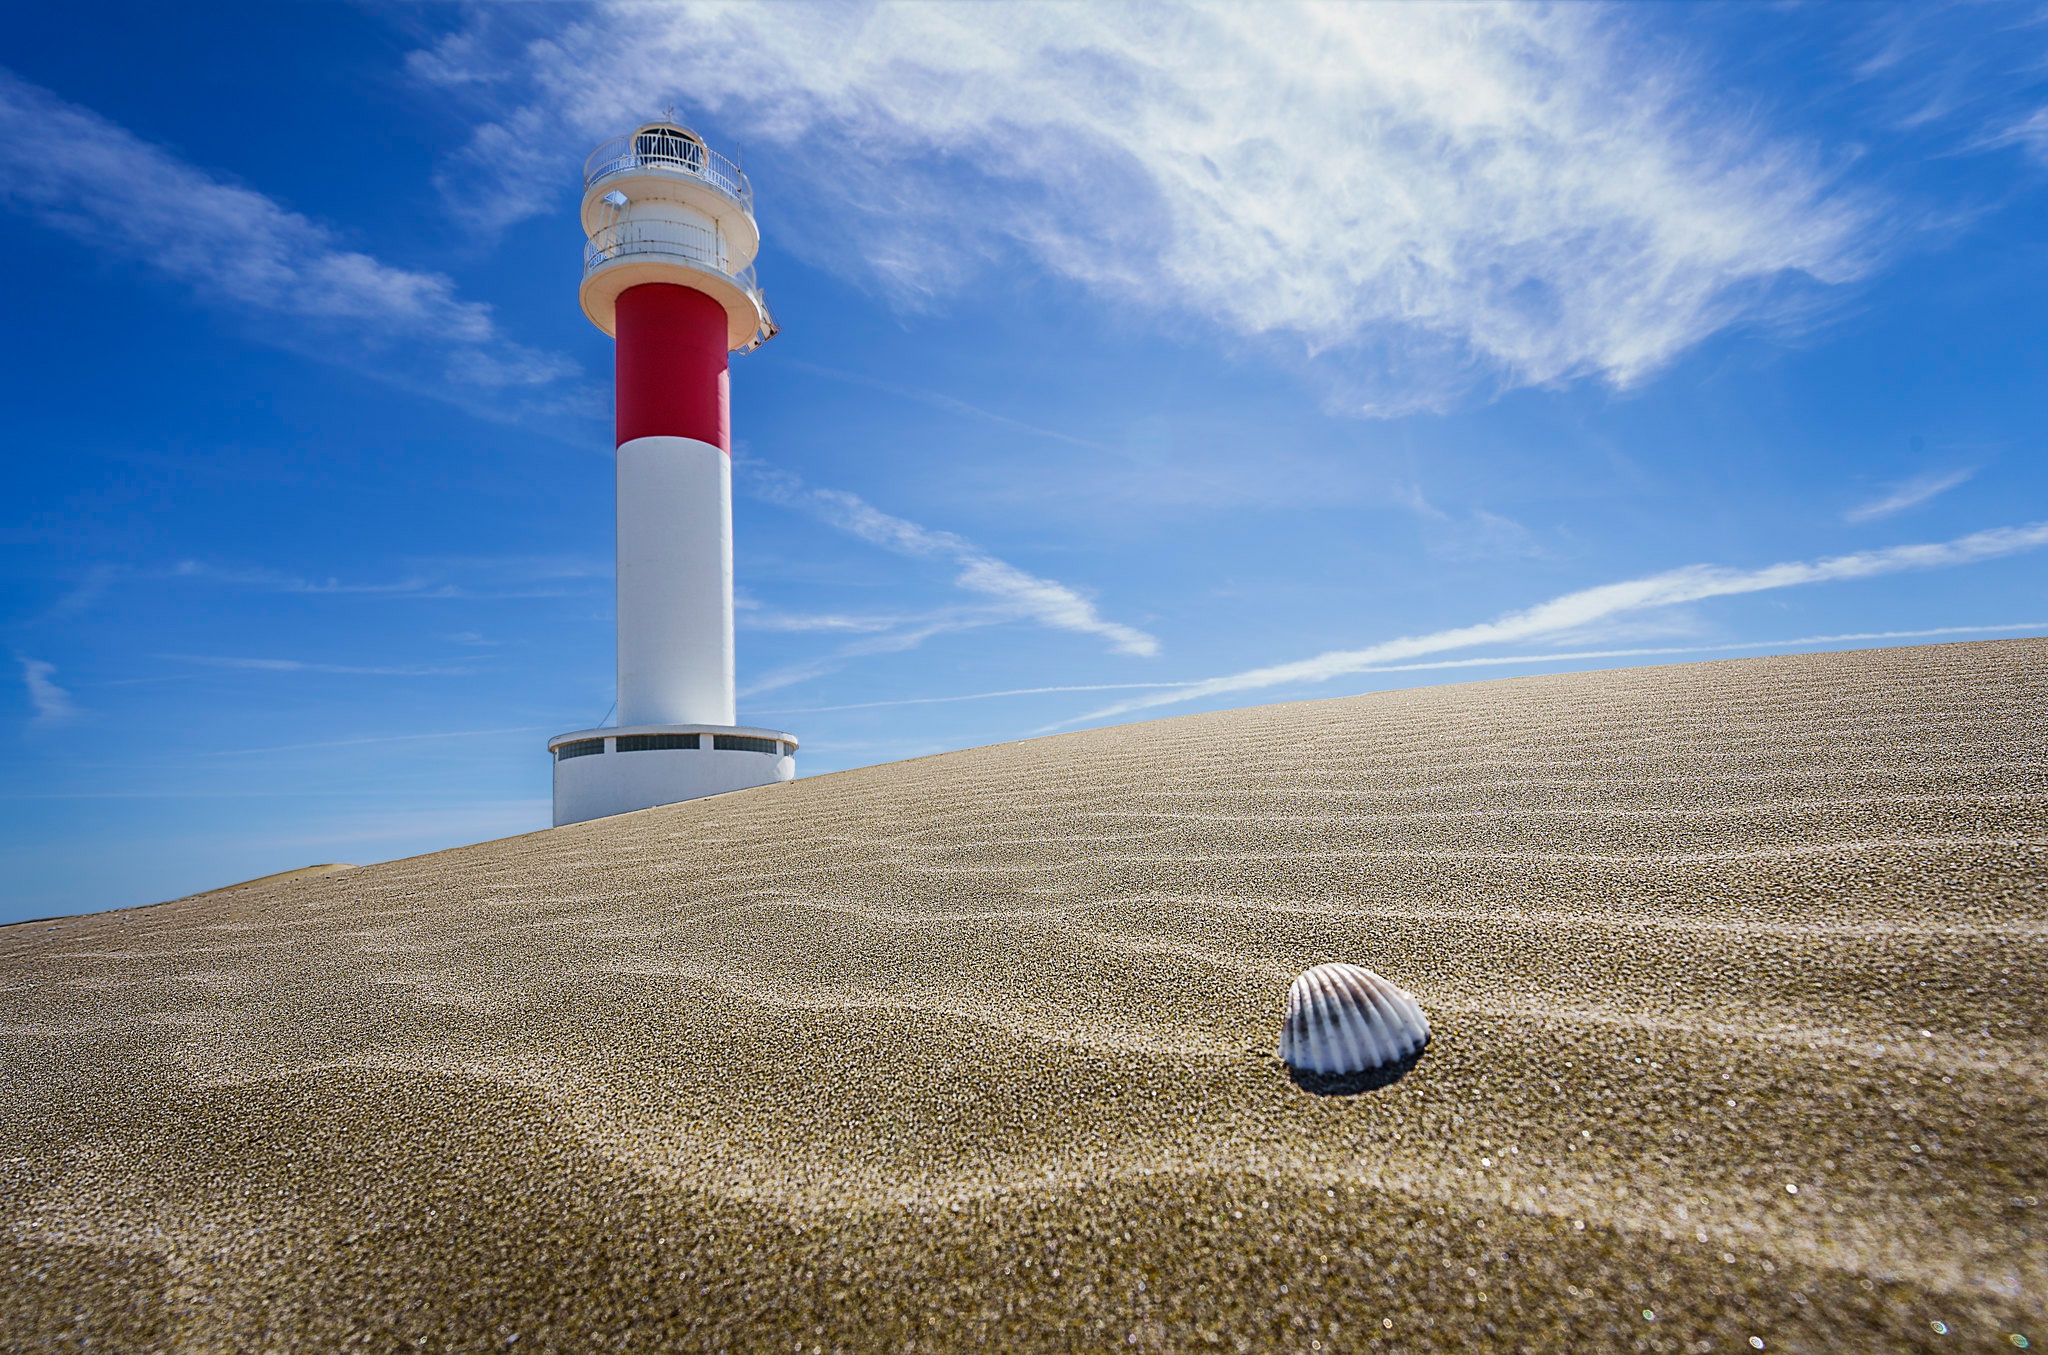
324	868
1735	971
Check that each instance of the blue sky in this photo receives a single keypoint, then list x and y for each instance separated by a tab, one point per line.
1135	361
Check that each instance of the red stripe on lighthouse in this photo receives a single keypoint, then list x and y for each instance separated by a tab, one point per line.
671	365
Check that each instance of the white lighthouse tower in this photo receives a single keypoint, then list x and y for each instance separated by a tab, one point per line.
668	273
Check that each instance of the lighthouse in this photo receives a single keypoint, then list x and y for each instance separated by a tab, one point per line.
668	273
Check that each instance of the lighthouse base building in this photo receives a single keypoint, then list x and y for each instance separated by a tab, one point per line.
668	274
599	772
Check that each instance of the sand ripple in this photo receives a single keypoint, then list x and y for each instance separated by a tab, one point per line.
1733	970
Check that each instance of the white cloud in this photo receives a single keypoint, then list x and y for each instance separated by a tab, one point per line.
948	403
53	705
1534	193
1491	661
1957	78
309	666
2030	132
1576	610
1014	592
1482	535
1909	494
381	738
98	183
506	577
275	581
980	696
828	622
888	642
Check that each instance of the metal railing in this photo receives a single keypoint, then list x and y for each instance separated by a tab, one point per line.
660	148
698	244
694	245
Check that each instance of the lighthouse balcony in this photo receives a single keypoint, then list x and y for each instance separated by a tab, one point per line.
668	150
695	245
630	251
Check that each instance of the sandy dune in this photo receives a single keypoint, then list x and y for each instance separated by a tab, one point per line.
1736	972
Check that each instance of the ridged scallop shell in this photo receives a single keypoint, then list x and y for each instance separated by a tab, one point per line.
1345	1019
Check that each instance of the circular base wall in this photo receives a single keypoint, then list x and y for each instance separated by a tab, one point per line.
600	772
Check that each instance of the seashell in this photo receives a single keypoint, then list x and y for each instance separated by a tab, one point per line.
1343	1019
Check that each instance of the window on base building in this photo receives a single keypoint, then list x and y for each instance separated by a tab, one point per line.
649	743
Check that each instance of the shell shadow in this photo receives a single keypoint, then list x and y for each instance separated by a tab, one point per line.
1354	1084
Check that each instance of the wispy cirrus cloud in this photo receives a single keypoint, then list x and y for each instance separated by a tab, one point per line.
1909	494
52	704
1059	689
1588	606
1479	535
487	578
1012	593
434	736
265	665
829	623
1966	78
905	637
1525	194
2029	132
279	581
950	404
239	249
1489	661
